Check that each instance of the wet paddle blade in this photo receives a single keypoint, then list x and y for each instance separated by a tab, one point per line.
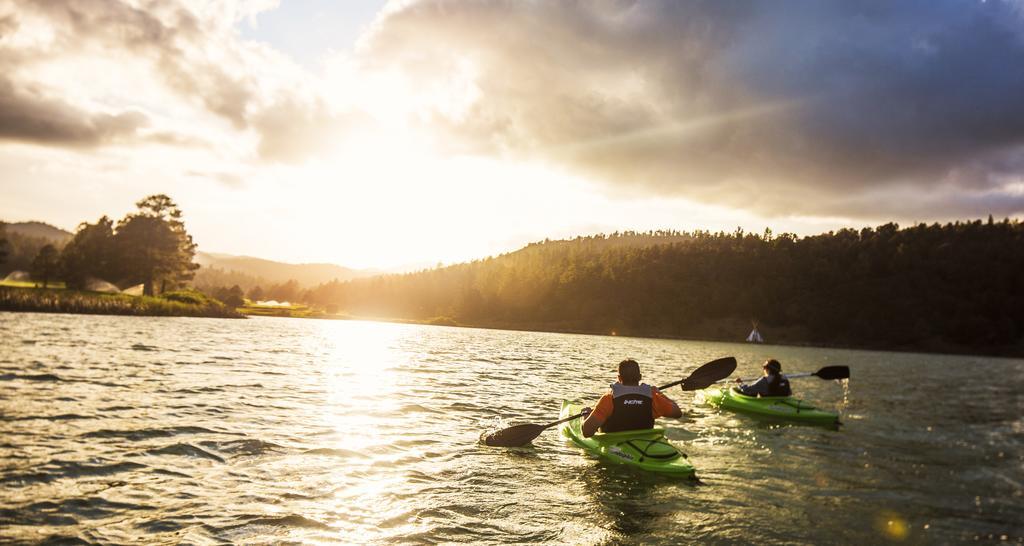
516	436
834	372
704	376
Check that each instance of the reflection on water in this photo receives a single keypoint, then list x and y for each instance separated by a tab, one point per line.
121	429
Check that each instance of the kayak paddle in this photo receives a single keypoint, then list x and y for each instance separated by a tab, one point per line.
701	378
828	373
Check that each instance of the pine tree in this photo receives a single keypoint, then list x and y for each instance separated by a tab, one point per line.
44	266
89	254
154	247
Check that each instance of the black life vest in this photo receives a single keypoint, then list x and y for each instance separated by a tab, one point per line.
778	385
633	408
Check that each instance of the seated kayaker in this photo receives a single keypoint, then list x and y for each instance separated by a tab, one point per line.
629	405
772	384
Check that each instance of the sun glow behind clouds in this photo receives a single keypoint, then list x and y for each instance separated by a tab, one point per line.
380	154
389	206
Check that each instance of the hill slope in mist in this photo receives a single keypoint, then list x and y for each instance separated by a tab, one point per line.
251	271
26	238
39	230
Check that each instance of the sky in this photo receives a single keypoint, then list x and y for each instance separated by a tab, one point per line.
399	134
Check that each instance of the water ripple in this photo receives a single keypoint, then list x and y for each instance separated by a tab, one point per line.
147	433
184	450
301	431
57	470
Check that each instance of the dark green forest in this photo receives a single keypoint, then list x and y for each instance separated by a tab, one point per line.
953	287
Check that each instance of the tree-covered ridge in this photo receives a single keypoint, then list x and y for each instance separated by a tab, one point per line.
21	243
937	287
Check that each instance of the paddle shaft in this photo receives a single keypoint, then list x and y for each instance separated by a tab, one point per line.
786	375
826	373
566	420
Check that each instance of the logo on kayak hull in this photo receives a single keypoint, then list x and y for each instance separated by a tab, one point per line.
618	452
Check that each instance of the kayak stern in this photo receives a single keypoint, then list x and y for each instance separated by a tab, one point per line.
779	407
647	449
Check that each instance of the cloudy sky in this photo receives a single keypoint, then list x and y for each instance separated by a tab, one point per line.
384	134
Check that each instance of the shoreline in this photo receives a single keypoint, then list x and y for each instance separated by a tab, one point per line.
47	300
1003	352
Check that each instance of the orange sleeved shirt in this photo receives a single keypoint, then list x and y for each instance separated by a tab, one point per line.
661	406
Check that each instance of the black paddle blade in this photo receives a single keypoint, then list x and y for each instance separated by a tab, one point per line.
834	372
516	436
704	376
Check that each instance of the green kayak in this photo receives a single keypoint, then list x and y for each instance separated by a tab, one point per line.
645	449
781	407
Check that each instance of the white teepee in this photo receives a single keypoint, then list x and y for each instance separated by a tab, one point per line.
755	336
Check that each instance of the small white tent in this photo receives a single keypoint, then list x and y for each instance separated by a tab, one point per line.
755	336
100	285
18	276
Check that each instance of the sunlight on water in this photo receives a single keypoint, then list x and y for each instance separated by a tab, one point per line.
163	430
360	377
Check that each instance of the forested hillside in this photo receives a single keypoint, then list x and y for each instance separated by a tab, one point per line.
20	243
248	272
953	287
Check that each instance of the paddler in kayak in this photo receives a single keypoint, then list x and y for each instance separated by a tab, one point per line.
773	383
629	405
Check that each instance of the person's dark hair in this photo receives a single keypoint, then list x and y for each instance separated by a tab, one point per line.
629	371
775	368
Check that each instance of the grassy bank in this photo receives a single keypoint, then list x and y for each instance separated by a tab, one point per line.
30	284
292	311
300	310
172	304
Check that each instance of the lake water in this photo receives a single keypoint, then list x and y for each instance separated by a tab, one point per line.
129	429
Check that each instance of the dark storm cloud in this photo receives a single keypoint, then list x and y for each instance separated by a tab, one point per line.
27	116
806	107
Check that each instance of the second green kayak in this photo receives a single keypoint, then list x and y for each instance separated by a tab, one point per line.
645	449
781	407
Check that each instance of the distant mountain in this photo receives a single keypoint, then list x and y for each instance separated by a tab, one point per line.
268	271
39	230
25	239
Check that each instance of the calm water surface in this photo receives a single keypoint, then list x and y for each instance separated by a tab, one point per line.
127	429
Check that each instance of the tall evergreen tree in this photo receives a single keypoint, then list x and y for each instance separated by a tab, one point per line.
232	297
4	246
153	247
256	294
90	254
45	264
